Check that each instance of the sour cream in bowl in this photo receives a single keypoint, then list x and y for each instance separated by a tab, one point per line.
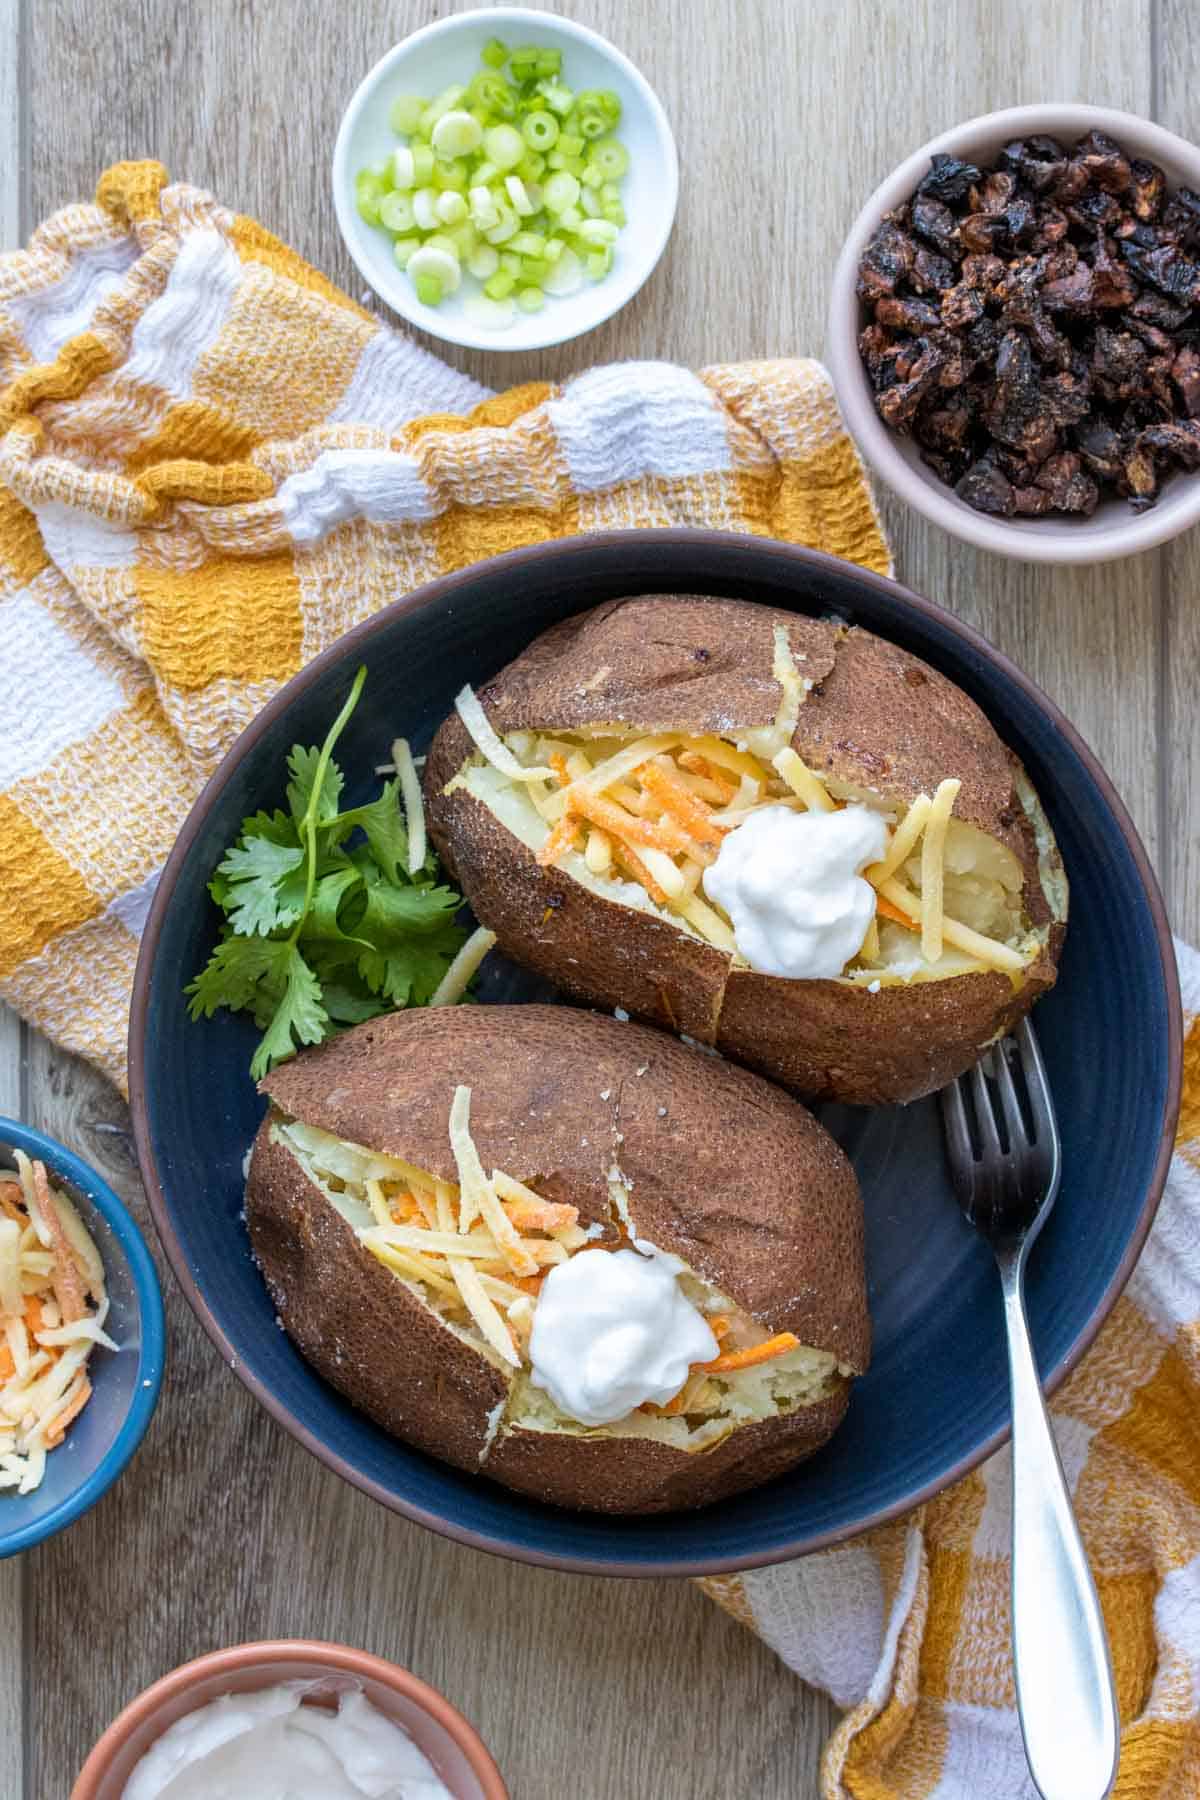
295	1718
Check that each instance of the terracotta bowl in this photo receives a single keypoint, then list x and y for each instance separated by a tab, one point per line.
454	1748
1113	529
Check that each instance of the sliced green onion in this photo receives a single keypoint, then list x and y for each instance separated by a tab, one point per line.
405	114
494	54
422	157
507	228
610	157
504	146
556	96
518	196
591	177
534	269
599	262
456	134
465	239
614	212
368	207
450	177
531	167
560	192
552	249
570	145
570	218
429	289
483	208
510	262
499	285
549	62
396	212
530	299
540	130
589	204
405	248
597	231
445	102
424	207
403	174
451	208
439	264
528	243
483	261
566	276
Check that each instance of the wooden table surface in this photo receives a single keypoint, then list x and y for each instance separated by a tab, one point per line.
786	116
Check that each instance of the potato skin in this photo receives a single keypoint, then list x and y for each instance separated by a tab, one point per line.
356	1324
723	1170
876	717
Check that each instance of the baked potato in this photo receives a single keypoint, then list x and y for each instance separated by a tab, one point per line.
588	798
596	1136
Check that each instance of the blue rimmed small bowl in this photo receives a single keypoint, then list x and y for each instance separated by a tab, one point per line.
125	1382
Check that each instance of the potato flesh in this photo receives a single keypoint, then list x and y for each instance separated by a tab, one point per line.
983	880
338	1170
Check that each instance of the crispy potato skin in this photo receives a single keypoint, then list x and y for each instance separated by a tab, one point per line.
876	717
356	1324
723	1170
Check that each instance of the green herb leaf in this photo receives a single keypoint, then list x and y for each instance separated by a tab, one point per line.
303	765
298	1019
324	927
256	869
383	823
233	972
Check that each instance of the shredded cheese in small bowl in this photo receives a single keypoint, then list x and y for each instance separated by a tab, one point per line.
53	1304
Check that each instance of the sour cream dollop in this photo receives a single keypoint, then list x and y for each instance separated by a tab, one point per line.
269	1744
613	1328
791	885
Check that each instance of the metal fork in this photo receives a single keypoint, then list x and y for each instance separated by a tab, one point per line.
1005	1159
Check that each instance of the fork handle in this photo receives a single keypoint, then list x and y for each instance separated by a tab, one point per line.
1065	1694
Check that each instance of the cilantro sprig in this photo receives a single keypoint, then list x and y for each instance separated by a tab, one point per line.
324	926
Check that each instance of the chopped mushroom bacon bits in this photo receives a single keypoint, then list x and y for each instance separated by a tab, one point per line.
53	1306
1035	326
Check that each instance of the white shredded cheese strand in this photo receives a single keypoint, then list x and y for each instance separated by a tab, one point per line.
453	985
490	745
414	806
933	871
802	781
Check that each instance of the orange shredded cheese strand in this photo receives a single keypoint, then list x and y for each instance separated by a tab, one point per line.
56	1429
778	1345
655	834
886	910
695	764
685	807
633	865
558	763
68	1289
561	839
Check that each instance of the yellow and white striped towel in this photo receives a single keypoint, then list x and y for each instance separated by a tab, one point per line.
212	464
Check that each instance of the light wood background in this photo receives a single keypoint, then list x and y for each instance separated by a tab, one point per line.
786	116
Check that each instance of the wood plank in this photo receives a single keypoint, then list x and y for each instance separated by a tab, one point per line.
12	166
1179	715
223	1529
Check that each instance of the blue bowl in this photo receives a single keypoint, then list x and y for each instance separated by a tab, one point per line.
125	1382
936	1399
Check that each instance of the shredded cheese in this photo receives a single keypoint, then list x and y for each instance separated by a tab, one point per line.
53	1306
483	1311
454	983
986	950
414	806
904	841
802	781
933	869
490	745
768	739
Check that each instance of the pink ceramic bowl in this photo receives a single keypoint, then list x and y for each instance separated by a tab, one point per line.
1113	529
454	1748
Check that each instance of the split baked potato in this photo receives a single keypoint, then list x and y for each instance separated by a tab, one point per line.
594	1135
581	798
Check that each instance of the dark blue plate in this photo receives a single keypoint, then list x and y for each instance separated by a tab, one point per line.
935	1400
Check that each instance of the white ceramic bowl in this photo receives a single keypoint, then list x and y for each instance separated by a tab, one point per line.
448	51
1114	529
